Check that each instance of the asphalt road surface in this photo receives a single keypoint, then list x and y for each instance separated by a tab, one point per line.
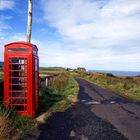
99	114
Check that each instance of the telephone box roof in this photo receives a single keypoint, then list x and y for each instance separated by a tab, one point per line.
21	42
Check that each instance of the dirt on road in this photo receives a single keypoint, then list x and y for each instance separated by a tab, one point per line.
99	114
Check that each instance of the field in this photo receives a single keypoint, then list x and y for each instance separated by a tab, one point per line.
50	71
125	86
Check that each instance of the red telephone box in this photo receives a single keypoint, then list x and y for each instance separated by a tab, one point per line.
21	78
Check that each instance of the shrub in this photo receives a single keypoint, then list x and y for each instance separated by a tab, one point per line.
53	93
60	82
55	99
110	75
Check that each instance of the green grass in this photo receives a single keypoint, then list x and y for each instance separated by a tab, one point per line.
124	86
60	99
12	124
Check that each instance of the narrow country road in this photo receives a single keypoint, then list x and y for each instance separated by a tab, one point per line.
99	114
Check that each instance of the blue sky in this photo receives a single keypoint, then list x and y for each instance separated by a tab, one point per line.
96	34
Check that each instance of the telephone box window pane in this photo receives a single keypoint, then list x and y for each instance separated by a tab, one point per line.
36	64
21	61
19	108
18	87
19	74
17	80
18	101
22	67
17	61
17	67
18	49
18	94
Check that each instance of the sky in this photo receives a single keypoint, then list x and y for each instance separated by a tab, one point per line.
95	34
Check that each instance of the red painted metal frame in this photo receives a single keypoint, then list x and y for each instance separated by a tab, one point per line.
21	78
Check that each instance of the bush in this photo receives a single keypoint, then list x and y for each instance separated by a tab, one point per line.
60	82
58	96
53	93
110	75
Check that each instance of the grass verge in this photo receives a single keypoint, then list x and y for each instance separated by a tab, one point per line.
125	86
58	100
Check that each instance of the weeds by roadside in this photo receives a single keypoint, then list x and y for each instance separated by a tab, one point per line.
12	126
125	86
60	95
7	128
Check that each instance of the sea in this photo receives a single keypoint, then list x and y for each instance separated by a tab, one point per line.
119	73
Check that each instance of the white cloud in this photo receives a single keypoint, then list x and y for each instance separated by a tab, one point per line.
6	4
85	20
107	32
121	8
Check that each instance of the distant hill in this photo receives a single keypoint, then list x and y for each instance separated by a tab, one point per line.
1	64
53	68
